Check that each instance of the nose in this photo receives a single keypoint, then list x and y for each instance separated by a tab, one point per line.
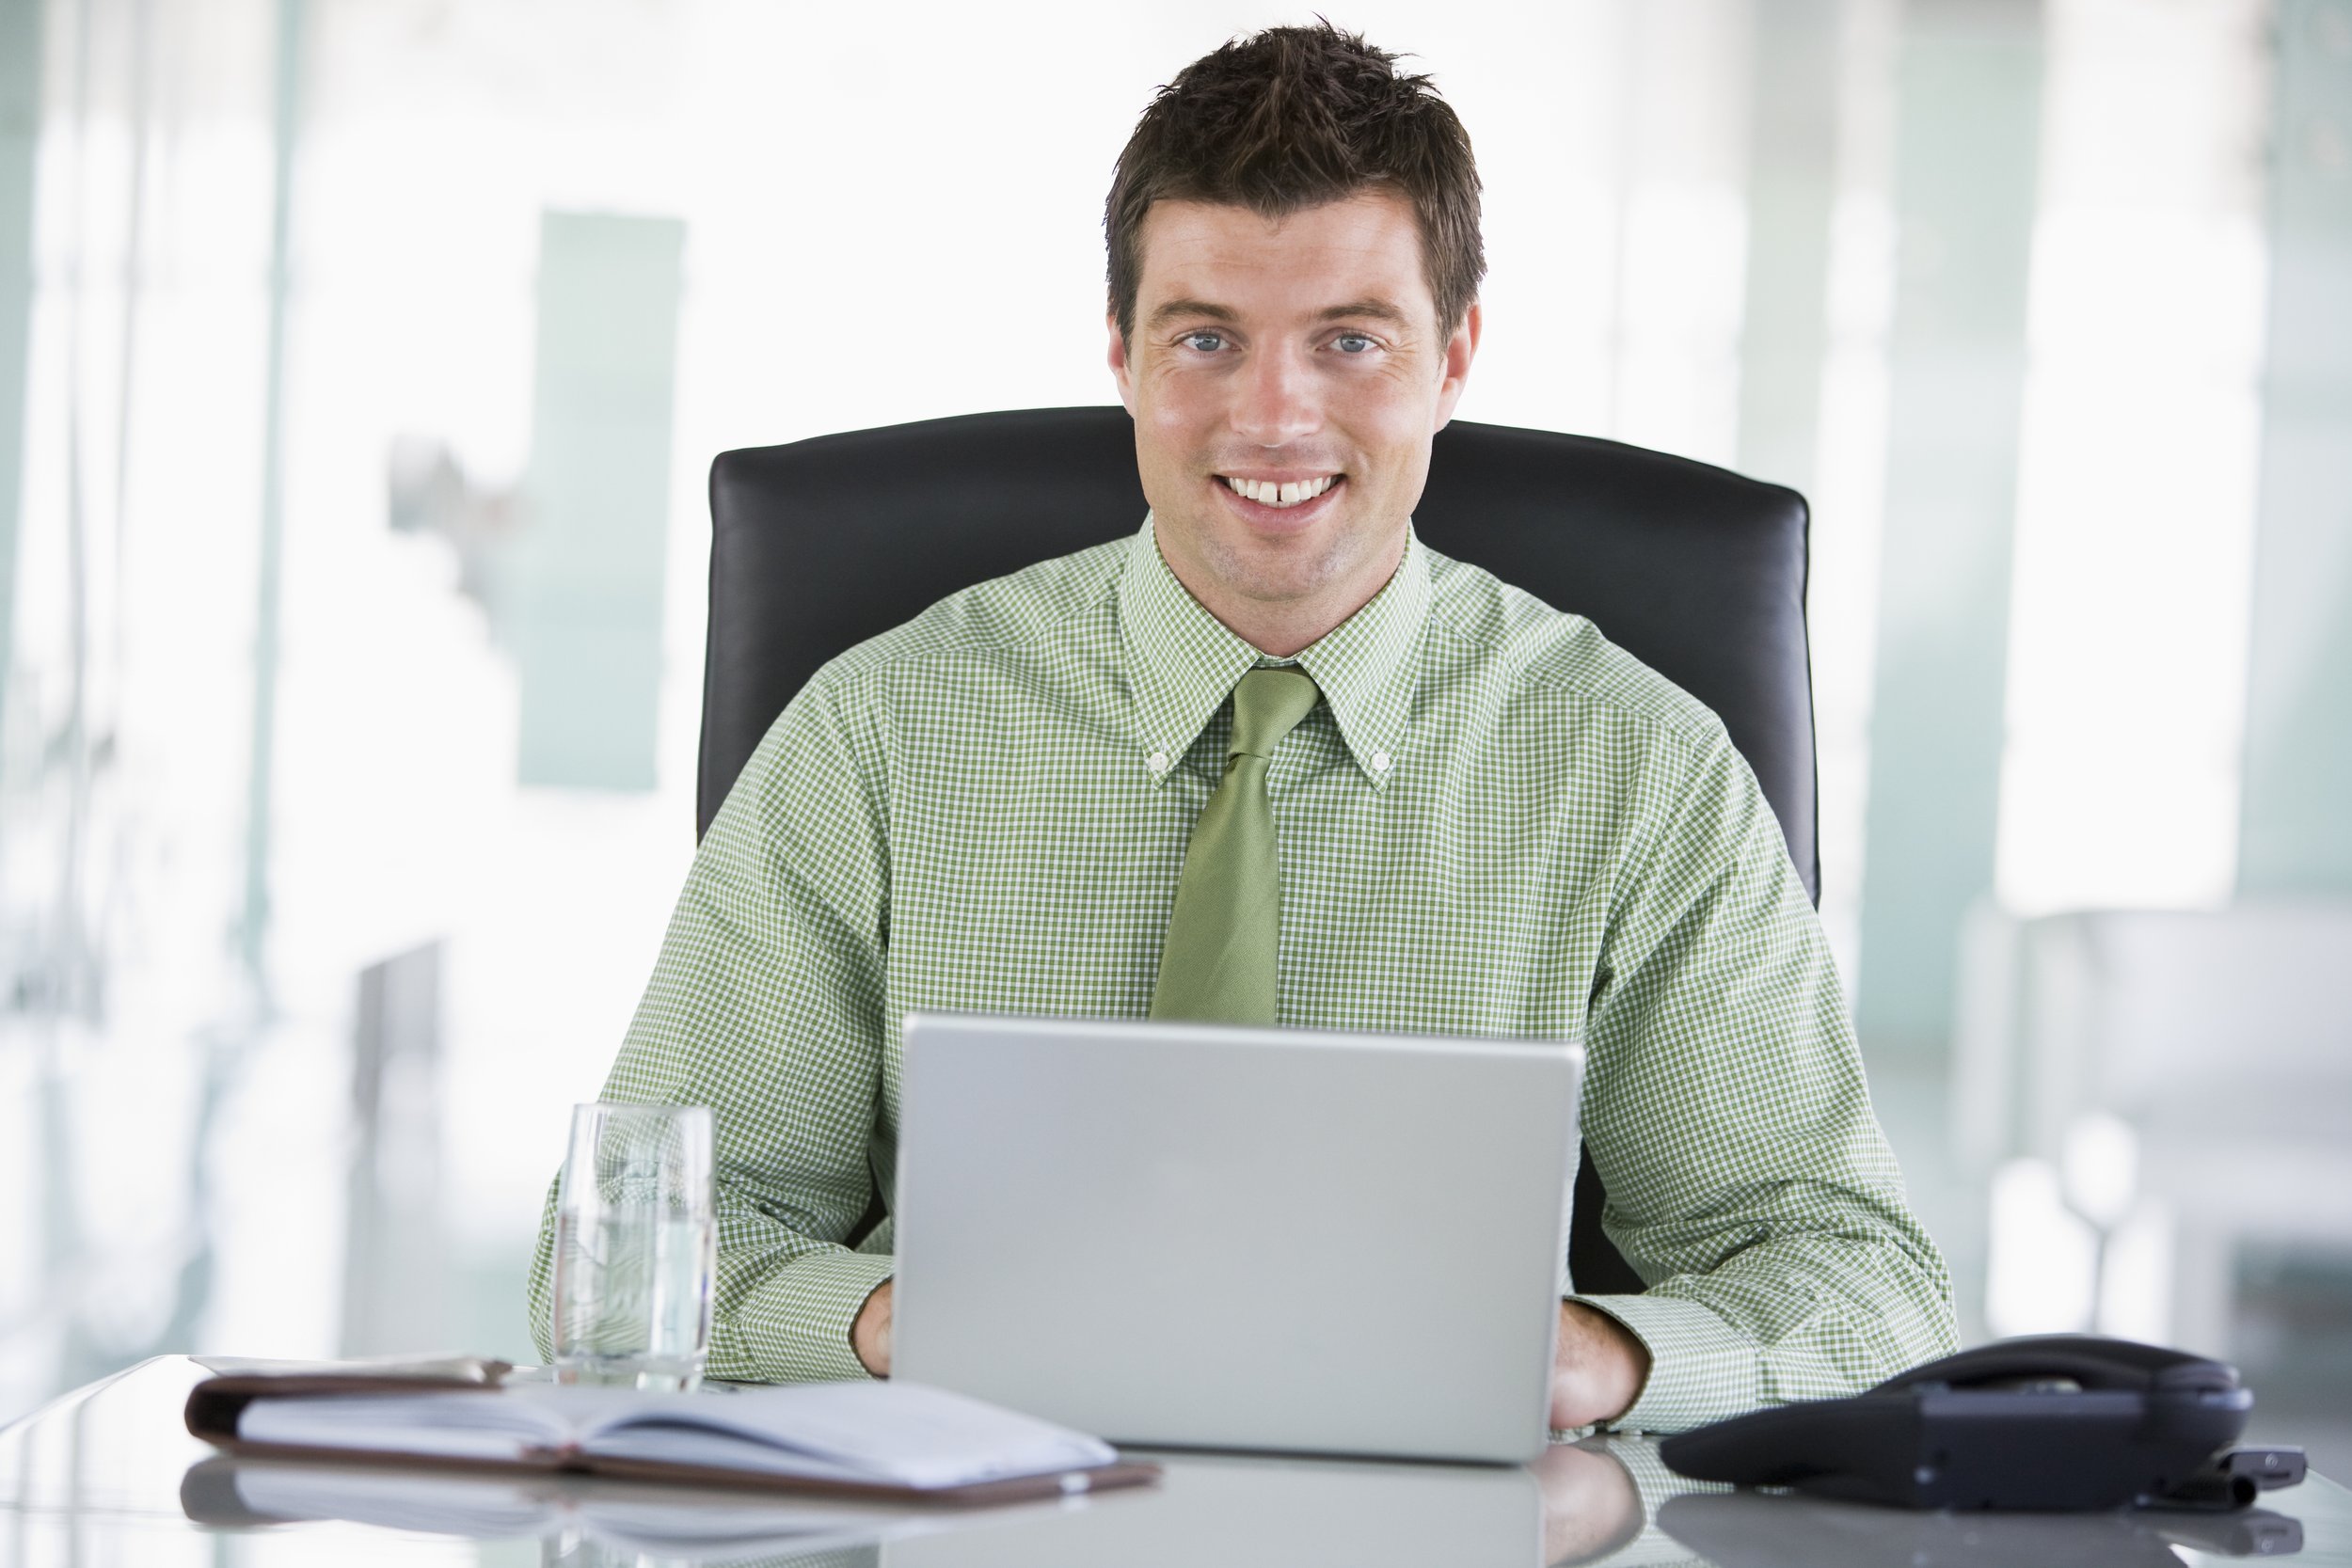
1276	398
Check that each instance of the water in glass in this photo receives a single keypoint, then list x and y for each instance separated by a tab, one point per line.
634	1256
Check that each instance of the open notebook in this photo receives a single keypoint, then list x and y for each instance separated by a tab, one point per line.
883	1439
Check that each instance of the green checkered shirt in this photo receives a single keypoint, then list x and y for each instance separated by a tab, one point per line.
1496	823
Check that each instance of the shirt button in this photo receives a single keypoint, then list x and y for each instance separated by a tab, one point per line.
1379	762
1159	762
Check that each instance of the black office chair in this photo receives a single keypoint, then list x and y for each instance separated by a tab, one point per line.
1697	572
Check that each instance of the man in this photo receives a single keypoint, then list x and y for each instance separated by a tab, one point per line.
1272	759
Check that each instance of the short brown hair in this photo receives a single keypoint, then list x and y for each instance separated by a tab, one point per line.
1294	117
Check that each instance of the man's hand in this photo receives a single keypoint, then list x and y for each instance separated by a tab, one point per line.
870	1336
1598	1370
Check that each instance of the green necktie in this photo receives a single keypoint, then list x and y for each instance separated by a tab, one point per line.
1218	966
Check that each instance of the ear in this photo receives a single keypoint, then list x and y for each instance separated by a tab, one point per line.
1460	350
1121	372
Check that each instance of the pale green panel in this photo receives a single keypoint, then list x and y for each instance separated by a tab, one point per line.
2296	835
1968	124
588	579
20	129
1792	173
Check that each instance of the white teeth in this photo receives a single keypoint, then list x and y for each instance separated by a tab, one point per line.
1267	492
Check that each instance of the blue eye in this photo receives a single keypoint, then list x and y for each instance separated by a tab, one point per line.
1206	343
1353	344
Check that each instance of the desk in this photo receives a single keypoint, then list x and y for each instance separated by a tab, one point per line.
107	1475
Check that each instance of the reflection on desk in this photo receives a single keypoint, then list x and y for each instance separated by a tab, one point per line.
601	1522
1745	1531
1225	1510
108	1474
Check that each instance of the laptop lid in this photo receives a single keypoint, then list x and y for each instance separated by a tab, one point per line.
1186	1234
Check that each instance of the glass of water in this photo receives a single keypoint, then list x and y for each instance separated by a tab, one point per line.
635	1247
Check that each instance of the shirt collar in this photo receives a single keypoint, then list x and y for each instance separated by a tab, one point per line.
1181	661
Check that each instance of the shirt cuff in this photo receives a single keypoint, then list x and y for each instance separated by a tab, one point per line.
1700	1369
794	1326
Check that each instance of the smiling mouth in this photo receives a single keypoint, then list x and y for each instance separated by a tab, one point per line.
1288	493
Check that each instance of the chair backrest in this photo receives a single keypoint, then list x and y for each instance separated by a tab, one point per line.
1697	572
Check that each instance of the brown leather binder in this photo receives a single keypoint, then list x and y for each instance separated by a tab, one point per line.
215	1405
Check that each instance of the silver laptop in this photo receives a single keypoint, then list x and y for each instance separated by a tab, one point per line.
1238	1238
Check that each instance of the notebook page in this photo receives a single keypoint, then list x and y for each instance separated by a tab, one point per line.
693	1445
895	1434
491	1425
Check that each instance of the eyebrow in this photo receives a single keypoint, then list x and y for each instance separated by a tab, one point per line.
1196	310
1373	310
1200	310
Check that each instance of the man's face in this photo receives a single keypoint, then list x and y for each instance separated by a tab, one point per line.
1286	377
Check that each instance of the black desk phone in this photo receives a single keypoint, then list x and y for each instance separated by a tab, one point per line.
2058	1421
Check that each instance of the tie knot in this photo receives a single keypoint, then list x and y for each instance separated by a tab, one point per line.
1268	702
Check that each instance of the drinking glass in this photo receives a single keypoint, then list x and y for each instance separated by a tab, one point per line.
635	1247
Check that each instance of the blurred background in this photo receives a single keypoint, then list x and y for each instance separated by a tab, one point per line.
360	365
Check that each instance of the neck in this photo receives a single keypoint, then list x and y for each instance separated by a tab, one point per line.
1280	629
